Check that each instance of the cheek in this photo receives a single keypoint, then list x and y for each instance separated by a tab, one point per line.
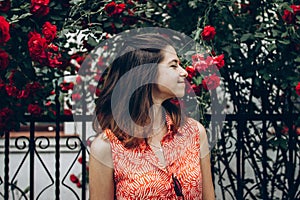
167	76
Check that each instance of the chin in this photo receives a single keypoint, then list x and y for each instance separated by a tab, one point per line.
179	95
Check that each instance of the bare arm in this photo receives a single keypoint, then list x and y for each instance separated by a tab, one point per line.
208	188
101	182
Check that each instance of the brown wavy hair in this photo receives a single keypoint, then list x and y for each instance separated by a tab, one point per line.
143	50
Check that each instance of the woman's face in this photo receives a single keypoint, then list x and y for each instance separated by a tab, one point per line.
170	77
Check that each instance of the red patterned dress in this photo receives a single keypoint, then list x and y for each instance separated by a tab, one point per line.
138	173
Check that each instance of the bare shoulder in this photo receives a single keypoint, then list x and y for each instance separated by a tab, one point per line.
101	173
101	150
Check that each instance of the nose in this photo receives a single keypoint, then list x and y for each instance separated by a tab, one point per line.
182	72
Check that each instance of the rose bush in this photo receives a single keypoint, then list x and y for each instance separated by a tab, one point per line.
32	58
48	47
255	47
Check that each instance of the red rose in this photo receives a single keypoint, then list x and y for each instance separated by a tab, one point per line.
120	8
5	112
49	31
5	117
191	72
54	60
211	82
91	88
200	65
114	9
67	112
39	8
172	5
290	17
219	60
54	57
3	60
11	90
74	178
37	48
98	92
34	109
110	8
296	9
4	5
23	94
76	97
66	86
2	84
195	88
4	30
78	184
78	80
197	57
208	33
297	88
210	61
33	87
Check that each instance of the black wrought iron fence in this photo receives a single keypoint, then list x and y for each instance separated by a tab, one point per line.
249	161
32	145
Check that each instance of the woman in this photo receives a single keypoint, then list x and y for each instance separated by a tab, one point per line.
148	149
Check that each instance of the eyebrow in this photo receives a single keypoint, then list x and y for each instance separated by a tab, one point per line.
174	60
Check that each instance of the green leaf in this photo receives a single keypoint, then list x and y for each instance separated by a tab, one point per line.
92	41
197	35
148	14
266	76
27	189
284	42
118	25
272	47
275	32
260	35
285	6
246	37
24	15
297	59
56	18
284	34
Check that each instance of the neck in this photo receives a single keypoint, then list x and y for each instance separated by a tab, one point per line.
156	115
158	119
